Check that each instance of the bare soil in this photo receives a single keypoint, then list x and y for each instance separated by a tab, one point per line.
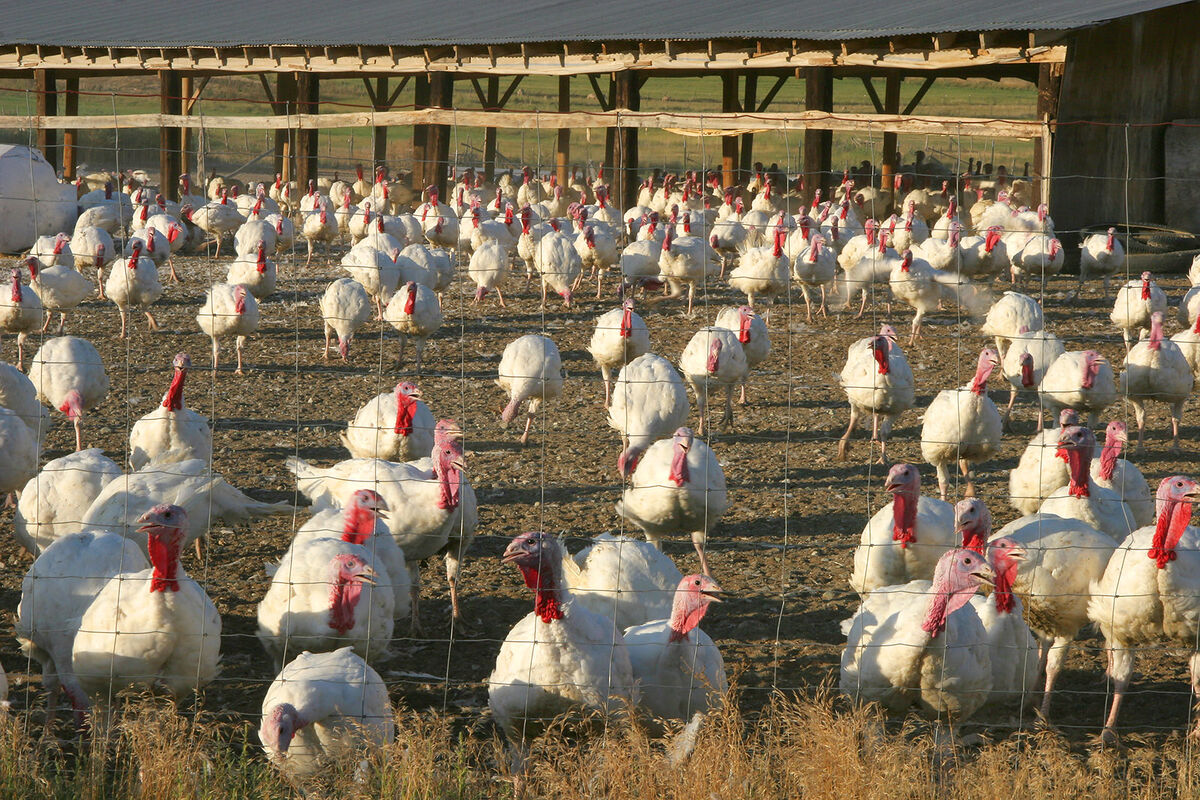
783	551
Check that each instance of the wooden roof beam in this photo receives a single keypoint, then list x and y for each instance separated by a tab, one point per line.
919	96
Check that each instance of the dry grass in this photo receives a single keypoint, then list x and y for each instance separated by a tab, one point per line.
796	747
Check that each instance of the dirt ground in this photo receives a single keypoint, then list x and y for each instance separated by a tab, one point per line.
783	551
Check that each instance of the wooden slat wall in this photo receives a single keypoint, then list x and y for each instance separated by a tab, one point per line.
1141	70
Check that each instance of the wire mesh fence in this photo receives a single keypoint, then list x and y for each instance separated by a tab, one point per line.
793	530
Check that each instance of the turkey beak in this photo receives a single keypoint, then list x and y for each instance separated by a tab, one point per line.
1193	496
368	576
985	574
1017	553
514	552
713	595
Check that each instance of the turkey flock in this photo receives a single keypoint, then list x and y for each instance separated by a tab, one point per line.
956	620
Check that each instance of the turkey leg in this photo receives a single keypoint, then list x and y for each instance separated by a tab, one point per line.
844	442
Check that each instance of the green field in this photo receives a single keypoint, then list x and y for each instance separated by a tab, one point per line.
230	150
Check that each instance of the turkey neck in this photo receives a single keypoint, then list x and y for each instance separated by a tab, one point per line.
1005	577
904	517
1109	456
626	322
449	479
1168	530
945	602
975	538
410	302
163	545
359	525
544	581
344	595
979	384
173	399
16	289
1077	465
406	409
680	474
685	616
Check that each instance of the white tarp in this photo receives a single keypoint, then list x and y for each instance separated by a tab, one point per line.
32	201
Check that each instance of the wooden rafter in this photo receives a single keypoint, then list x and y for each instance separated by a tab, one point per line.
919	96
508	93
874	95
604	98
774	90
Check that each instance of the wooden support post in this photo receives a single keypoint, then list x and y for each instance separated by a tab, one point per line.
1049	84
625	190
71	109
441	95
891	105
420	139
749	104
489	133
729	144
380	132
46	105
308	92
562	157
285	103
186	136
610	134
818	145
170	157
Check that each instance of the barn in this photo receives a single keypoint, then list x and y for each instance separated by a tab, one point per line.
1102	124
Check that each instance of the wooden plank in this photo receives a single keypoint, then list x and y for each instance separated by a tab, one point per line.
919	96
818	144
729	144
491	102
625	190
871	93
1049	86
170	156
748	103
46	106
309	96
70	108
768	120
562	155
542	59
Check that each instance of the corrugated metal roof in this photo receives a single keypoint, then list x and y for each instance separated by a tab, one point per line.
170	23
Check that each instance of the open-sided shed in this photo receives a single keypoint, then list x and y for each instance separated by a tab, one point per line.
1129	65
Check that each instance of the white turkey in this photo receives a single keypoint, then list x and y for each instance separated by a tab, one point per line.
620	336
61	289
396	426
323	708
171	426
1010	316
558	264
598	251
416	314
20	314
1014	651
1082	498
54	501
627	580
1136	303
764	272
69	375
921	643
134	284
1156	370
751	331
1111	471
1079	379
678	668
258	274
1041	469
815	268
962	425
713	358
433	507
1062	559
905	538
687	260
561	658
326	593
319	225
190	483
155	626
878	381
1100	255
1149	591
21	448
678	486
56	593
1024	364
345	307
489	267
649	402
530	370
229	310
19	394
